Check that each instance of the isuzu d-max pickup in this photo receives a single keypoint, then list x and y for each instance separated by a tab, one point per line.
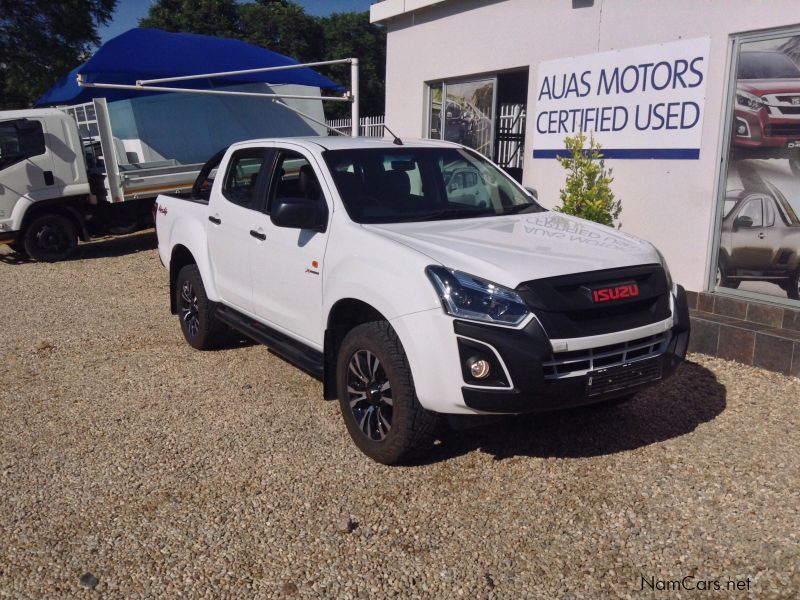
349	258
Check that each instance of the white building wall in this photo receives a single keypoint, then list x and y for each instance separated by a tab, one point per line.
669	202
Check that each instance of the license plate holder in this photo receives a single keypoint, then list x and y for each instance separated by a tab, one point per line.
620	377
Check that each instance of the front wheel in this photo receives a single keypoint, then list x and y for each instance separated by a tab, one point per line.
200	327
722	279
50	238
377	397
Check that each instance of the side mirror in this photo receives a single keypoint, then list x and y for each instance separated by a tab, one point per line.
532	192
299	213
743	222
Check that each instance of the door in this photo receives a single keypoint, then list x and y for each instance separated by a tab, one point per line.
26	168
232	225
287	266
751	244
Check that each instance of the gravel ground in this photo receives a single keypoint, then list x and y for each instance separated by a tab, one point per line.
133	466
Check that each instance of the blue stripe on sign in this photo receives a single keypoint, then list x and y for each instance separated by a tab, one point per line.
658	153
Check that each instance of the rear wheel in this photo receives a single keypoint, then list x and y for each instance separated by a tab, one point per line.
50	238
377	397
199	324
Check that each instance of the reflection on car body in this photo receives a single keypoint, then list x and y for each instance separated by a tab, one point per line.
766	118
760	240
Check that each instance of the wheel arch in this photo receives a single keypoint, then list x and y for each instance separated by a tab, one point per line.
66	207
344	315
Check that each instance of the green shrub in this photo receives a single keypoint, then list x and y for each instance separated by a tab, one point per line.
587	193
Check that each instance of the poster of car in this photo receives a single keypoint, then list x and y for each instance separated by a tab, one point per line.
759	243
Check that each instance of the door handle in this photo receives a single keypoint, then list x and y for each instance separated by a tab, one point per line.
761	236
215	220
48	178
257	235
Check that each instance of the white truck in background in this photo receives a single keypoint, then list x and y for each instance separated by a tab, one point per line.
73	173
57	186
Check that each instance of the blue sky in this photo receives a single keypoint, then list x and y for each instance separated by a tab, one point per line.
129	12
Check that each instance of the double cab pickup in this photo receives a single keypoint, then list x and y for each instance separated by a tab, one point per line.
358	261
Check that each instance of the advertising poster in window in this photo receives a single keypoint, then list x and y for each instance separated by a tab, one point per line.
759	240
466	114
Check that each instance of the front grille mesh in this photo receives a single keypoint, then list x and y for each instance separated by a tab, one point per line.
580	362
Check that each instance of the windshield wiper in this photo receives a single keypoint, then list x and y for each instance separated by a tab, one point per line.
518	208
456	213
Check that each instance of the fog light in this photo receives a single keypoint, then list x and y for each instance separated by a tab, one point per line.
479	368
741	130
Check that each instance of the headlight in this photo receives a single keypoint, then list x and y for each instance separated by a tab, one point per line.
749	101
468	297
666	268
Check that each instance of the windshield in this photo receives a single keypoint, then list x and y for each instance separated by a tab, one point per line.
388	185
766	65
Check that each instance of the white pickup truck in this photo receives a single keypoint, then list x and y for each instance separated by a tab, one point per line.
350	259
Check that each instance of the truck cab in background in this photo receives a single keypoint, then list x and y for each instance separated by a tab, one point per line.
57	187
44	182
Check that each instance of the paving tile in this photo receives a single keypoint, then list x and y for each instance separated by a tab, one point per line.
736	344
704	337
730	307
705	302
691	299
773	353
765	314
791	319
782	333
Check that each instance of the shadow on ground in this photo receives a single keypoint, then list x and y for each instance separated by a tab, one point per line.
672	409
118	246
101	248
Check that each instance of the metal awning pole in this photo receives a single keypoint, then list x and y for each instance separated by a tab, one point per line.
354	109
155	88
245	71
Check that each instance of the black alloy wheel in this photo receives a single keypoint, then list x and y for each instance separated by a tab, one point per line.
370	395
199	324
377	396
188	311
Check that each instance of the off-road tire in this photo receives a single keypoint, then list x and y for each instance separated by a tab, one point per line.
412	428
197	314
50	238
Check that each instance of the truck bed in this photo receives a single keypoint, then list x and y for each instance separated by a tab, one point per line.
149	179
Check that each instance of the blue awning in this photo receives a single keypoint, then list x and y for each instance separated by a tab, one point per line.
151	54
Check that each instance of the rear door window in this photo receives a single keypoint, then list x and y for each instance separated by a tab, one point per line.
244	177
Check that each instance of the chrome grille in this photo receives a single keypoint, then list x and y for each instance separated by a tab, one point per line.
580	362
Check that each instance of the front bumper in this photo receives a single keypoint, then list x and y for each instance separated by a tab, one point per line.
759	132
522	359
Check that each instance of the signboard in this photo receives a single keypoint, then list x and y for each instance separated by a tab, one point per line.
644	102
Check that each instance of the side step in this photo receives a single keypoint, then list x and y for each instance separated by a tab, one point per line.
303	357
